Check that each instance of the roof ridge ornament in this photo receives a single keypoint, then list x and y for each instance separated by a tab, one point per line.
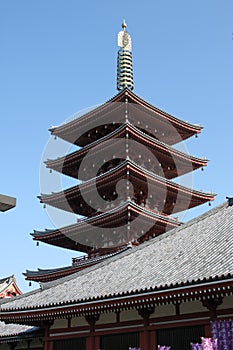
124	39
124	25
124	60
230	201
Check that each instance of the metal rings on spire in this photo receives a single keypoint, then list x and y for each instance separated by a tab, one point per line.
124	60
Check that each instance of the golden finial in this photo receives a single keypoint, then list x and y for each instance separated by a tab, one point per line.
124	39
124	24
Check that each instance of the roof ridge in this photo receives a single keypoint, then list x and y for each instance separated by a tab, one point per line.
11	277
20	296
139	247
50	284
206	214
181	227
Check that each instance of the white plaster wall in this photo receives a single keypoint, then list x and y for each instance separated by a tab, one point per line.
4	347
129	315
164	310
33	344
107	318
60	323
23	345
192	307
227	303
78	321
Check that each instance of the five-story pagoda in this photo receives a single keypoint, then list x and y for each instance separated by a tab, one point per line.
125	165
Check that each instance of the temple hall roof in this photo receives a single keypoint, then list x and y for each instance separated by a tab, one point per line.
195	254
15	332
8	287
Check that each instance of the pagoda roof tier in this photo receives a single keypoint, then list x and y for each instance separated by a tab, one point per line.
45	275
153	190
143	149
126	223
107	117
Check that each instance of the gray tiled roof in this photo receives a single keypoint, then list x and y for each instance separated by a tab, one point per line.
13	329
200	249
16	332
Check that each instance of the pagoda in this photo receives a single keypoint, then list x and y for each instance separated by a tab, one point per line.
126	165
145	279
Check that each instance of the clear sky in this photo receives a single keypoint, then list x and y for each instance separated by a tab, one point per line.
59	56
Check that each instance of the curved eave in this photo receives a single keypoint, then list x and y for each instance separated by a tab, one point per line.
62	241
51	275
67	131
67	236
179	162
191	290
63	127
66	199
103	218
45	275
194	129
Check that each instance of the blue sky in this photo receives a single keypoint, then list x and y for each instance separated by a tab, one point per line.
59	57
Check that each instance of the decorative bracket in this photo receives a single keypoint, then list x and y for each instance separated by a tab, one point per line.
145	314
211	304
91	320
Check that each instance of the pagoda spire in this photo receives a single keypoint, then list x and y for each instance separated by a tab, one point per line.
124	60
